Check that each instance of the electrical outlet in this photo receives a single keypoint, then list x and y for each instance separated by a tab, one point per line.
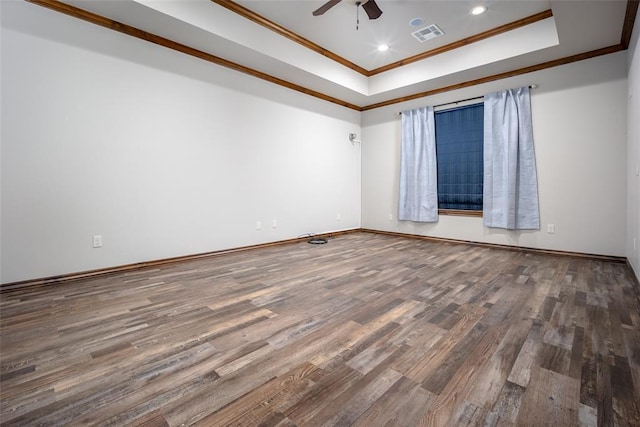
97	241
258	225
390	217
551	228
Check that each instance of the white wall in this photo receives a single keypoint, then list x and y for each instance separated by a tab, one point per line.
162	154
580	123
633	150
166	155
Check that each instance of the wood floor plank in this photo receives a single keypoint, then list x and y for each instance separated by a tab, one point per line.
398	405
507	405
521	371
367	330
454	396
492	380
439	353
275	396
551	399
331	384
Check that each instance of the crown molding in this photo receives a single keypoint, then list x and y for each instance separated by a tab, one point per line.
73	11
261	20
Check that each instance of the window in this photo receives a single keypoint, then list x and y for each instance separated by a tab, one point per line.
459	153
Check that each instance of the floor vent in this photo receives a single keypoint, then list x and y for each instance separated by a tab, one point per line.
427	33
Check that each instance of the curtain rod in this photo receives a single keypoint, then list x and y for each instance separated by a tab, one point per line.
532	86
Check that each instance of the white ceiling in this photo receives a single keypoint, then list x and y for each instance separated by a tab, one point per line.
576	27
336	29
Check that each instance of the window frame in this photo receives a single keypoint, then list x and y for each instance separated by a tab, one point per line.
460	212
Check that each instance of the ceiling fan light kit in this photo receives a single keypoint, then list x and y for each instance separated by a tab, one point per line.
372	9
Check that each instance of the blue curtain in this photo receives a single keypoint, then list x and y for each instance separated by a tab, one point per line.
418	196
510	179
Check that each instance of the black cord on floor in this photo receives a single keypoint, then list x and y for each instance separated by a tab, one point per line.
317	241
314	240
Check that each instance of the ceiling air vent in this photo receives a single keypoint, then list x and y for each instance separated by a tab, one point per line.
427	33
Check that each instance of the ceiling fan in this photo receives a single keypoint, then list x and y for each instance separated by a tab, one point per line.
369	6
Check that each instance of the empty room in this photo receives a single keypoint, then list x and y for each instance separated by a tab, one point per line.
312	212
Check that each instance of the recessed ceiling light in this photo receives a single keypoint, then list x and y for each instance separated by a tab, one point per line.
478	10
416	22
383	47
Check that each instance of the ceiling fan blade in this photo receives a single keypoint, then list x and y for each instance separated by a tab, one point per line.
372	9
328	5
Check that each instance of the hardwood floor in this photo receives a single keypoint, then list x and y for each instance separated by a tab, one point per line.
367	330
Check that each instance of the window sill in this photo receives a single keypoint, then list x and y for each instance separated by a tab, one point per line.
459	212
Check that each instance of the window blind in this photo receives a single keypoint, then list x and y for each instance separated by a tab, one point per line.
459	148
